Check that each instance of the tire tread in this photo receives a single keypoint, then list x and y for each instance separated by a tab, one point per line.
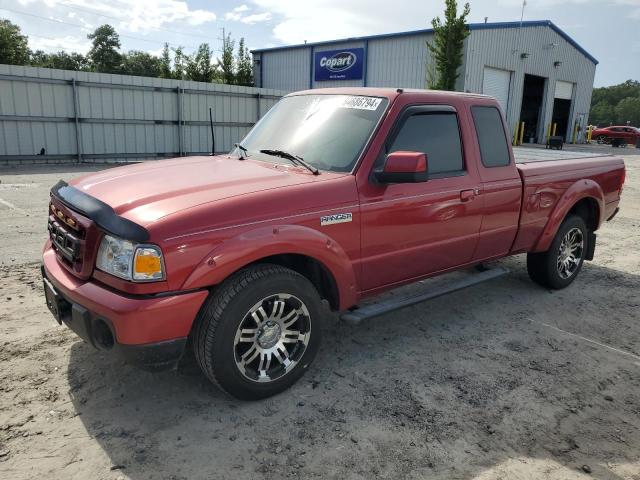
211	314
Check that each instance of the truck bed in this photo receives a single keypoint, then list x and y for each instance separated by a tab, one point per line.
529	155
546	176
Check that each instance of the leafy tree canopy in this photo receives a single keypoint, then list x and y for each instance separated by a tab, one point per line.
14	47
244	64
447	46
140	63
616	105
61	60
104	54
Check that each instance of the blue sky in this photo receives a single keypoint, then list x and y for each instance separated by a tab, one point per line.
608	29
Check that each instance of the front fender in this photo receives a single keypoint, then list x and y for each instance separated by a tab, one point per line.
579	190
248	247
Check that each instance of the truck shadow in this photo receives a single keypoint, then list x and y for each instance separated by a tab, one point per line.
504	379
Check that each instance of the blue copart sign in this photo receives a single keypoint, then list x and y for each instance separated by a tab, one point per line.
344	64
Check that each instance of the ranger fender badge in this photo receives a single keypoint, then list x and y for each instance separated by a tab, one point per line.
337	218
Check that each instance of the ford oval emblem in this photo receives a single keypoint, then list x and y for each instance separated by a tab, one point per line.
339	62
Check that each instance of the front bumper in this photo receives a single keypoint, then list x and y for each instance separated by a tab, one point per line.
149	331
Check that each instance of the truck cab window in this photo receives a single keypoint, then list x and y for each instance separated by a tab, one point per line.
435	134
494	151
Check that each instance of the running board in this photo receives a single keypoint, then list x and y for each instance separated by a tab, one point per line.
377	309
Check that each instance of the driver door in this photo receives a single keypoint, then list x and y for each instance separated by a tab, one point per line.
410	230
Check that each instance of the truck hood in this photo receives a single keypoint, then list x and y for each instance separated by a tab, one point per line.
149	191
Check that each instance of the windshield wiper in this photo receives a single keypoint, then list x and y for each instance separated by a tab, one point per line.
244	151
295	159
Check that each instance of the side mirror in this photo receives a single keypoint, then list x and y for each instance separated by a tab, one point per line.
404	167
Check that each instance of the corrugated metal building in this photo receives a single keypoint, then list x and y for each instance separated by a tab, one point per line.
537	72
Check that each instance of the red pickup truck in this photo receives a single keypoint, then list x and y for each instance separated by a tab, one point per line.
336	194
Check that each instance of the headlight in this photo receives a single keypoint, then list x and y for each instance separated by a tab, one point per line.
123	259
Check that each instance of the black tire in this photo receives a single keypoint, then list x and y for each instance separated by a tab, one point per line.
543	267
219	322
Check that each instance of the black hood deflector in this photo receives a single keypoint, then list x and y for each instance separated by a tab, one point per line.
102	214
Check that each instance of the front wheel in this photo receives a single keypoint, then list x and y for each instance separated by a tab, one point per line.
602	139
259	331
559	266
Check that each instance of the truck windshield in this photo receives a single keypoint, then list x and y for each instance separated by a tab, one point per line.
327	131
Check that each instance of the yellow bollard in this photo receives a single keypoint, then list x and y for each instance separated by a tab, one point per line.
555	125
521	132
589	132
575	132
548	133
515	135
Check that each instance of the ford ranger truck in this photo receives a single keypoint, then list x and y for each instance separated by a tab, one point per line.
336	195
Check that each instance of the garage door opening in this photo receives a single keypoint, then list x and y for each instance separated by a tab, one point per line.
531	111
562	108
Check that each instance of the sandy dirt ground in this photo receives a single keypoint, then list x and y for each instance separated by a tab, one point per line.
500	381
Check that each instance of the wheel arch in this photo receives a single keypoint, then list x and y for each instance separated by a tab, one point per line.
310	253
310	268
584	198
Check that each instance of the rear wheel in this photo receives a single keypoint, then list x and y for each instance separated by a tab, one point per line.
558	267
259	331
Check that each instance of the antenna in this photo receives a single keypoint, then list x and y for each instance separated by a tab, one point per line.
213	138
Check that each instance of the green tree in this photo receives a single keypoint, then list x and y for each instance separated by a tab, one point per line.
199	66
448	43
14	47
628	110
613	94
165	62
615	104
104	55
226	63
140	63
602	114
244	75
61	60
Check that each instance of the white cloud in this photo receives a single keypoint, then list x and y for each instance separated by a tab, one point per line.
328	19
233	16
316	20
256	18
237	15
68	43
135	16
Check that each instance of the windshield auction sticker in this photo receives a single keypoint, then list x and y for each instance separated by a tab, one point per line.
361	103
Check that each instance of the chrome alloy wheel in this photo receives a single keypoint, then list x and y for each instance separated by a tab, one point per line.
570	253
272	337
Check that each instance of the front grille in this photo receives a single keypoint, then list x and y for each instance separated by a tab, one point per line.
66	244
74	239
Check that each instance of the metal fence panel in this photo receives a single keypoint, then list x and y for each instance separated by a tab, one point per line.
97	117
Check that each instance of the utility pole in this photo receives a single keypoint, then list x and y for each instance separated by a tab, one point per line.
517	49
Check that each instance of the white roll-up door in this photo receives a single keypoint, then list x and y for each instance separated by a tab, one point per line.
496	84
564	90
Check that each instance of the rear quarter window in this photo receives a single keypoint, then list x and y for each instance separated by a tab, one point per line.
494	151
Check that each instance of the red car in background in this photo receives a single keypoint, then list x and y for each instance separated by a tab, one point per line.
629	135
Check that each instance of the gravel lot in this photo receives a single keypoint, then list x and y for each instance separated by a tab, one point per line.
504	380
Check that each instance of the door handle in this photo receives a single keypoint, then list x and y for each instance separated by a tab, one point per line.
467	195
